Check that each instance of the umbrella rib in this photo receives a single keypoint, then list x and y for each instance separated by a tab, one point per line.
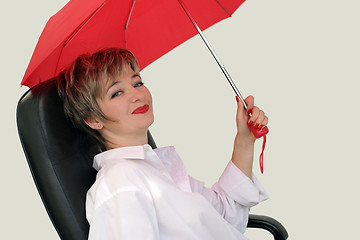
78	30
223	8
128	20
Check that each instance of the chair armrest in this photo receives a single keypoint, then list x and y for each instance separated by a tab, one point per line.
269	224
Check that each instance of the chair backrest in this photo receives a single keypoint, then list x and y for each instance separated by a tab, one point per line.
59	157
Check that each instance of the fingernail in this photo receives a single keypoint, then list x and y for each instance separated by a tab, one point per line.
256	125
261	126
237	98
249	111
251	123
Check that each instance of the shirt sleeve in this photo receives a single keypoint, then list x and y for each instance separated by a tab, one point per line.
120	217
233	195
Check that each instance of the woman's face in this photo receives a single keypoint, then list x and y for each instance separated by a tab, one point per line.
127	104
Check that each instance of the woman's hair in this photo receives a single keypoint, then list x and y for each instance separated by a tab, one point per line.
85	81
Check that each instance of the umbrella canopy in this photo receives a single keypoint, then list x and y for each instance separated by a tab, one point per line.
147	28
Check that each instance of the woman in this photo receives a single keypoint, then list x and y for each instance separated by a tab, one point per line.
145	193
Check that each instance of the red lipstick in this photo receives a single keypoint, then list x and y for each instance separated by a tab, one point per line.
141	110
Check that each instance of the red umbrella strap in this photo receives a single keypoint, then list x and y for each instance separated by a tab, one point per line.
261	158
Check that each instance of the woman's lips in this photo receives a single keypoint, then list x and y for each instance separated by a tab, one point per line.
141	110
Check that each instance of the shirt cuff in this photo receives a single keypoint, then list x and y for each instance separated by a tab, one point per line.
241	188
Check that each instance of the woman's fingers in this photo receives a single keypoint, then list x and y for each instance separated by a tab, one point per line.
258	118
254	116
250	103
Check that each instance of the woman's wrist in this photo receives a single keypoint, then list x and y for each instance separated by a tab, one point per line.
243	154
244	140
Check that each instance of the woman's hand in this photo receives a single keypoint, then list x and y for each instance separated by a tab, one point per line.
258	119
243	152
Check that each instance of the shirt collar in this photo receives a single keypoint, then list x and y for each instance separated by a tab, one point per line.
133	152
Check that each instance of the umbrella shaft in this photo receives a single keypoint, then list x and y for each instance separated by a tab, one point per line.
223	69
232	84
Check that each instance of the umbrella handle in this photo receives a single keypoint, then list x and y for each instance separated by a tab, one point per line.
258	133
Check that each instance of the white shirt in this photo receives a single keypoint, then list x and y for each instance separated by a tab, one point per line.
141	193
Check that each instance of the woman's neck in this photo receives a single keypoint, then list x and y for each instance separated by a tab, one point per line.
126	141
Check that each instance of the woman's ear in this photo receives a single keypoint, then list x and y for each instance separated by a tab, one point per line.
94	123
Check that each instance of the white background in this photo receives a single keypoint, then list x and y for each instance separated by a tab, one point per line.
300	59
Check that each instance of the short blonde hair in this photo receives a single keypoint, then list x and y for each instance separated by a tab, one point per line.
85	81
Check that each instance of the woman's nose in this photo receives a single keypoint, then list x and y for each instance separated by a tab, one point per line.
136	94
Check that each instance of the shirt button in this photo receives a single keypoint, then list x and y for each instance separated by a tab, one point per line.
147	148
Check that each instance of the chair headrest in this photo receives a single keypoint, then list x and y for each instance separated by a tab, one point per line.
59	156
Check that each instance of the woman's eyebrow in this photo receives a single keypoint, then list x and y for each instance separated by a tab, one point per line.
110	86
117	82
136	75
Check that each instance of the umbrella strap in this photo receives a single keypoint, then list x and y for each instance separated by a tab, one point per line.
261	158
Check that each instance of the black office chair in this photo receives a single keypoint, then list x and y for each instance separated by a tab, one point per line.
60	159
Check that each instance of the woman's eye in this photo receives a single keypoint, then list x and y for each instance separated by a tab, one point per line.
118	93
139	84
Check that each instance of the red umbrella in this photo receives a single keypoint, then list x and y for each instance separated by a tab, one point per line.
147	28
